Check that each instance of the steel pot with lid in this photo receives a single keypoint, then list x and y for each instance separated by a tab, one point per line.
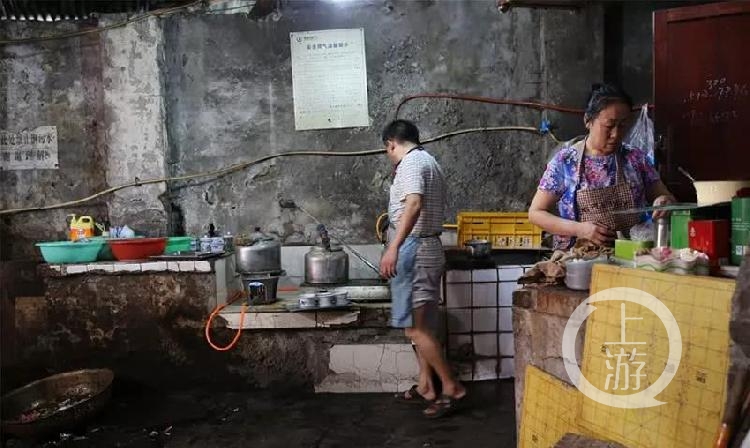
258	253
326	265
478	248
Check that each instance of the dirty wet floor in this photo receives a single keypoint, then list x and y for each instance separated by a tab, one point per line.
203	419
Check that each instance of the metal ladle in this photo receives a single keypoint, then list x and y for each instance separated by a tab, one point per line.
288	203
686	174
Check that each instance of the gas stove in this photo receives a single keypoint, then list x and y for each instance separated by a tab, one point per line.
360	290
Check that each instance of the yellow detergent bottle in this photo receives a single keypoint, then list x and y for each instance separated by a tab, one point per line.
80	227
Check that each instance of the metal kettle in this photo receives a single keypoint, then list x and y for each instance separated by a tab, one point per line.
326	264
259	253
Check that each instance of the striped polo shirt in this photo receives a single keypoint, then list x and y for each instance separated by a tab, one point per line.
419	173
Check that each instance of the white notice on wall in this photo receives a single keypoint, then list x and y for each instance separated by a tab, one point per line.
34	149
329	79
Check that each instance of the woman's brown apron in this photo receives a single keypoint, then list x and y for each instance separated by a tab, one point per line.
597	204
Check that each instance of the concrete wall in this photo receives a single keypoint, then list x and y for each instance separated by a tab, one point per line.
196	91
236	85
58	83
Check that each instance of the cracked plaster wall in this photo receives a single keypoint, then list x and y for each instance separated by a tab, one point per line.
195	92
229	96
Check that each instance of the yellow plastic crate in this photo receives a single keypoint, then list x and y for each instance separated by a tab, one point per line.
503	230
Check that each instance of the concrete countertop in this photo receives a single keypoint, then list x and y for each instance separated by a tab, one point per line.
287	297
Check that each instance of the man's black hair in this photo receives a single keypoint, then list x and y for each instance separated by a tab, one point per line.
401	131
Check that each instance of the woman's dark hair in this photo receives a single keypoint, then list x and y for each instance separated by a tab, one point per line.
401	131
601	96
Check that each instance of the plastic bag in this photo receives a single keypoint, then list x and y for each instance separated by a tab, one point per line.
641	135
642	232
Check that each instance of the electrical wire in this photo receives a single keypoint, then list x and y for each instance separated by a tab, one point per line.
158	12
484	99
243	165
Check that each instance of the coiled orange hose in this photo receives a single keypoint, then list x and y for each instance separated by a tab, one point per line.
237	295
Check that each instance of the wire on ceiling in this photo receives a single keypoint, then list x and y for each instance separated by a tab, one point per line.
138	18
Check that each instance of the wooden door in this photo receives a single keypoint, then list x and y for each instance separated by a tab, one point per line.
702	93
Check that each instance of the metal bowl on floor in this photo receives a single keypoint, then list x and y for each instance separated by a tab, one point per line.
56	403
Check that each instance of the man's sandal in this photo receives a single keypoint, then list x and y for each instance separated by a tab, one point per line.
411	396
444	406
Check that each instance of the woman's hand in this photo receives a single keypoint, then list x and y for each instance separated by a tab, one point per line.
664	199
595	233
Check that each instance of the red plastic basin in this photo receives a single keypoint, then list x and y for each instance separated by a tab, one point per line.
137	248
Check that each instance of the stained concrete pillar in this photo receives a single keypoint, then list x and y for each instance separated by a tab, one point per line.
136	138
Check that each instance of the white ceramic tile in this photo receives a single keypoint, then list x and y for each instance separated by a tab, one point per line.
172	266
509	273
186	266
293	260
506	293
406	364
203	266
101	267
56	267
460	346
507	368
255	321
341	359
458	295
505	317
371	368
485	344
484	275
127	267
465	372
358	269
327	319
506	344
155	266
76	269
369	358
485	294
457	276
485	319
449	238
485	369
459	321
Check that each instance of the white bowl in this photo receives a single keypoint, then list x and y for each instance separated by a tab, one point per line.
715	191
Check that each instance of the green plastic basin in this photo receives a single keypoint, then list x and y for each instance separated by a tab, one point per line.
58	252
177	244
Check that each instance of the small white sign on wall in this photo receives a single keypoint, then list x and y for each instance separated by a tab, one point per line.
34	149
329	79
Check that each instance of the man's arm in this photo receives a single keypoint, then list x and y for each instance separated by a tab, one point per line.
412	209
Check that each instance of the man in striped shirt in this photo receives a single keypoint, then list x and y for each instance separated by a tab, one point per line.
414	261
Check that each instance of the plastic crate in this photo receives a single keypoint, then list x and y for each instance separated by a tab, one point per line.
502	230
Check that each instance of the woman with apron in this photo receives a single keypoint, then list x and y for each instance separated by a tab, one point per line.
593	176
